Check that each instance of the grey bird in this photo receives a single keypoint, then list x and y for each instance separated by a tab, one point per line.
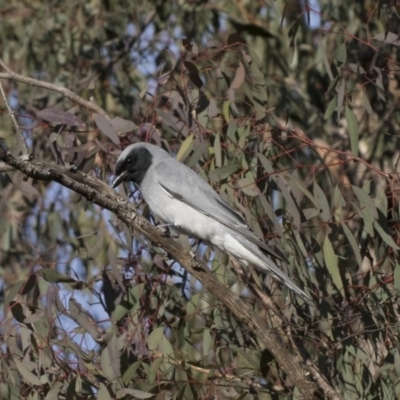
181	198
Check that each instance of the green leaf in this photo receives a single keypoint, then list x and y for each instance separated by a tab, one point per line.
365	201
84	320
53	276
352	126
13	291
217	151
103	393
388	37
53	393
106	365
382	228
367	104
133	393
225	110
326	62
239	77
331	261
340	97
166	347
37	315
112	347
322	202
27	375
154	369
219	174
231	130
381	202
130	372
367	218
397	277
186	148
332	86
155	338
119	312
353	243
208	342
247	186
331	108
341	54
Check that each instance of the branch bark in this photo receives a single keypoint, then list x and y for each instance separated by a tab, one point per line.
101	194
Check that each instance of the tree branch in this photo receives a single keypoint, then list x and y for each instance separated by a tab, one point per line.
52	87
13	119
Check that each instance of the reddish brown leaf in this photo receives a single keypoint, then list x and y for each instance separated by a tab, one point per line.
60	117
106	128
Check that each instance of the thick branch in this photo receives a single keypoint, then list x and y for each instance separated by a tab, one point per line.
101	194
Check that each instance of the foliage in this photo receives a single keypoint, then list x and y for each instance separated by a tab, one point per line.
295	124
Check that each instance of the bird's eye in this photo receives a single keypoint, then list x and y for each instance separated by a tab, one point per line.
129	160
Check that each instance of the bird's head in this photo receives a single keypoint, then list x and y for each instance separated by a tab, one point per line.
132	164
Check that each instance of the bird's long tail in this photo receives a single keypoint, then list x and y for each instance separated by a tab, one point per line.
268	266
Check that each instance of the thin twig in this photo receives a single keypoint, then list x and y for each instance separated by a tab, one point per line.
13	119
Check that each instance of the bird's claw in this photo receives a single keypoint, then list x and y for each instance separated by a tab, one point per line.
163	229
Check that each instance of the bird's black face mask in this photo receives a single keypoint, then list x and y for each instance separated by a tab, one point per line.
133	167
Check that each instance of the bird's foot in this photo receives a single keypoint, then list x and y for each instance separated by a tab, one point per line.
192	253
164	229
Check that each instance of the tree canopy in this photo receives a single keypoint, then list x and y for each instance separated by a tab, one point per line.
289	109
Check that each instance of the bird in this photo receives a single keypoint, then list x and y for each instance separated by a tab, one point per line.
182	199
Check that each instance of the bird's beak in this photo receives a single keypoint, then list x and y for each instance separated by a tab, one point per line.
119	179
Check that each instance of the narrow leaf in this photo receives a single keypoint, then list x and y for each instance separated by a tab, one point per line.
217	151
326	62
352	126
130	372
340	98
239	77
222	173
123	125
397	278
185	149
60	117
331	108
106	128
52	394
133	393
388	37
353	243
331	261
365	201
103	393
26	374
382	228
53	276
155	338
322	202
248	187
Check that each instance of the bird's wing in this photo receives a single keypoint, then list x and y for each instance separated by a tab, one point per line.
186	186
